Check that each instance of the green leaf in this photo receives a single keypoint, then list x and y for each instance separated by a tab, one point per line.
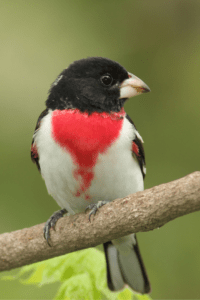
141	297
82	276
76	288
126	294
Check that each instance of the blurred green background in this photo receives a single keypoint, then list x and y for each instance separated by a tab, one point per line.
159	41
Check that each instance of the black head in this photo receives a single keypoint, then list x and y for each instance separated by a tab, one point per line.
91	84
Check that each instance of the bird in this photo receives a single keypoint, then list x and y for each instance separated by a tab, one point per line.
89	153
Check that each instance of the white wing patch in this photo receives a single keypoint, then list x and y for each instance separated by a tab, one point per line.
144	170
139	136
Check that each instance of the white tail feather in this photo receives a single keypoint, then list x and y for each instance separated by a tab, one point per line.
125	266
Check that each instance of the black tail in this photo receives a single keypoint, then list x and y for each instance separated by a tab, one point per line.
126	267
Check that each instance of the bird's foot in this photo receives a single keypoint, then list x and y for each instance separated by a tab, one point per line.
51	222
94	207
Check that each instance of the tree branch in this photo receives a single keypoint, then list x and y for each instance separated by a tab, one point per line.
142	211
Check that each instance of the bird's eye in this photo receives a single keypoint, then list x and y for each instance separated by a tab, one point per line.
107	79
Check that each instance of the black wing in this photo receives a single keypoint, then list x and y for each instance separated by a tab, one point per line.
34	153
138	150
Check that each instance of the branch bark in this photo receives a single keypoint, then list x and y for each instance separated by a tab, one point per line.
139	212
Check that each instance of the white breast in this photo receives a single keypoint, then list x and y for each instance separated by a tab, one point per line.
116	173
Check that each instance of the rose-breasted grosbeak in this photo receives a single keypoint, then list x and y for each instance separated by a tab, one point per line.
89	152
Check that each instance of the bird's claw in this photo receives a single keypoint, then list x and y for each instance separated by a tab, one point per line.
94	207
51	222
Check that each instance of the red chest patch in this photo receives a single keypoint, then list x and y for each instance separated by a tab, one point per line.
85	137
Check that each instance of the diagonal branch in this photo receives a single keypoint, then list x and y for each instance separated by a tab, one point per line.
142	211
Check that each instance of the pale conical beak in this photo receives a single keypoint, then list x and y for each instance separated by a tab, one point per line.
133	86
